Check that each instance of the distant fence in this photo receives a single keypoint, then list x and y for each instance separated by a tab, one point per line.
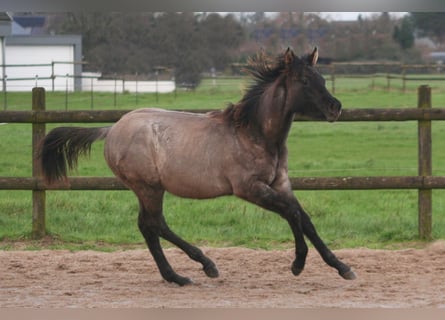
375	71
61	76
93	83
403	80
389	71
55	75
52	77
424	182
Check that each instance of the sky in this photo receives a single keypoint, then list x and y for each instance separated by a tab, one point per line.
354	15
345	16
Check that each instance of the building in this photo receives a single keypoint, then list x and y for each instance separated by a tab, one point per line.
437	57
5	30
30	58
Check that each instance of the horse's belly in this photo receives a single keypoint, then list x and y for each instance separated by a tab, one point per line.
197	193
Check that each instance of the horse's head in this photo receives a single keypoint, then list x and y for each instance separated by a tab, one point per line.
306	88
283	87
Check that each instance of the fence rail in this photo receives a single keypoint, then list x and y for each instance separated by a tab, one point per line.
107	116
424	182
303	183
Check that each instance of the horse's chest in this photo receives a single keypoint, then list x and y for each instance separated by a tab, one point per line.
267	169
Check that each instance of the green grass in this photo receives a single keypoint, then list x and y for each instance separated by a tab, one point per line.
94	219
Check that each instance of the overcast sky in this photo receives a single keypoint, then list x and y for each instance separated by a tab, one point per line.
345	16
354	15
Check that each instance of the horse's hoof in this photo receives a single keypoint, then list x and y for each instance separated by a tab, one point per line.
296	271
184	282
349	275
211	271
181	281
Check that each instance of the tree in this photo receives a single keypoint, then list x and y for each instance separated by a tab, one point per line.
111	42
138	42
404	35
430	24
221	36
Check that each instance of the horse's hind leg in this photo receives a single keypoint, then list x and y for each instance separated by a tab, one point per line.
153	225
193	252
150	222
151	232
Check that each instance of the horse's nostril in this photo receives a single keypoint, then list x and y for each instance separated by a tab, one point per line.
335	106
333	110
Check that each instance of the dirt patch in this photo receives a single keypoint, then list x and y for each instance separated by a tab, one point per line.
248	278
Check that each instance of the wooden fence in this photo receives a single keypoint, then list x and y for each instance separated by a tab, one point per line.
424	182
388	77
396	75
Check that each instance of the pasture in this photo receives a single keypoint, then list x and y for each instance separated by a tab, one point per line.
107	219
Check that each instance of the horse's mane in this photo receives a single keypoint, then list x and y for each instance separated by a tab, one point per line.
263	70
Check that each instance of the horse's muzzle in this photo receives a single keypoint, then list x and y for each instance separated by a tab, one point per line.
333	111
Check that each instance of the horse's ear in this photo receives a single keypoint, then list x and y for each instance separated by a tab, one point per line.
313	57
289	57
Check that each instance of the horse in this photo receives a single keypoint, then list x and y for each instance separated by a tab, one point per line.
240	150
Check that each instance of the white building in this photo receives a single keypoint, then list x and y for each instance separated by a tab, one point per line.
27	60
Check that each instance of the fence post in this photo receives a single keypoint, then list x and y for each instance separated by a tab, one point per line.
425	164
92	94
53	76
5	93
38	196
333	78
404	79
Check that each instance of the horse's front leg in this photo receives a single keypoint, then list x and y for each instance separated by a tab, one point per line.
280	198
285	204
309	230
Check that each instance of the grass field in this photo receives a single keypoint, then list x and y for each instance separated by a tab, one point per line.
88	219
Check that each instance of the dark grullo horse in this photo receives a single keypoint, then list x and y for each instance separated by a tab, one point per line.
240	150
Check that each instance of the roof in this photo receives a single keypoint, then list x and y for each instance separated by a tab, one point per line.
30	21
4	17
5	24
28	25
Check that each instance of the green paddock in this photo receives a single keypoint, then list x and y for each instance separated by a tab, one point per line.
108	219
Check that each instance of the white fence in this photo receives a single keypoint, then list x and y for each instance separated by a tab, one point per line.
92	82
53	77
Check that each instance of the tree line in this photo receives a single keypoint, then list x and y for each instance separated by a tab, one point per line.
189	44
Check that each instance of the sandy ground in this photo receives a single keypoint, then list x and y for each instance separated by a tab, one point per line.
248	278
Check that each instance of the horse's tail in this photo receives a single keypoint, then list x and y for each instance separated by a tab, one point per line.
62	146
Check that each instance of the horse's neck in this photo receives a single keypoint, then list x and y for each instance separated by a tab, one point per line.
273	119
